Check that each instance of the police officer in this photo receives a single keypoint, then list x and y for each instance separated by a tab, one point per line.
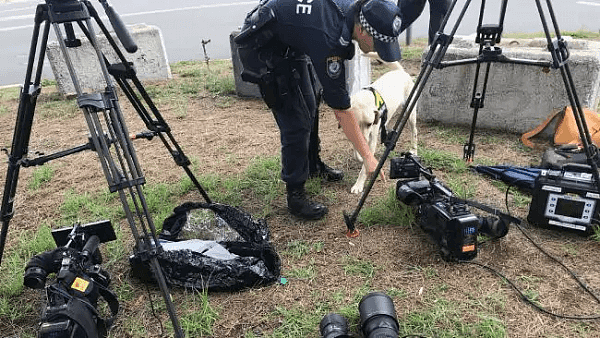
295	51
413	9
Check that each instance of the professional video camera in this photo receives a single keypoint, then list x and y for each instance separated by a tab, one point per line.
377	319
72	299
440	213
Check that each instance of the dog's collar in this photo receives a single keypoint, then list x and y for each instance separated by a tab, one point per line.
382	113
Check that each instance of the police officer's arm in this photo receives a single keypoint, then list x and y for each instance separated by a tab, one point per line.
352	130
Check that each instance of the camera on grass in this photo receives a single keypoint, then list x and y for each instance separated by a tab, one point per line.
440	213
72	298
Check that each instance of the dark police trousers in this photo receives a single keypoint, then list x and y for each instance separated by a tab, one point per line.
412	9
296	92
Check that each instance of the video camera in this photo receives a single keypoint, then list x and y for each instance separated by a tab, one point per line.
72	299
377	319
440	213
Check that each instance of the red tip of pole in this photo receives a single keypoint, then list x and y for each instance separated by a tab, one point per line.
352	234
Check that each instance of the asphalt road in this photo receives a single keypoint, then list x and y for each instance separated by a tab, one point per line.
186	23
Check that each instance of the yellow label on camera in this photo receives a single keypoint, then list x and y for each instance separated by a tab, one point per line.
468	248
80	284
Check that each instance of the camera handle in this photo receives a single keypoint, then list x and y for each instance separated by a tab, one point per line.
109	136
487	36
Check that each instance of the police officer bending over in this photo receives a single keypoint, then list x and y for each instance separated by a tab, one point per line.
295	51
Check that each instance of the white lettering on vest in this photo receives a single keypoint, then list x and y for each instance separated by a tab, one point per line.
302	8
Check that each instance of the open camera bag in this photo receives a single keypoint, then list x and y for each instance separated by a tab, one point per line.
256	262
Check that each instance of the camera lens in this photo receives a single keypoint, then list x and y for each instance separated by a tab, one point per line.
334	326
378	316
35	278
494	227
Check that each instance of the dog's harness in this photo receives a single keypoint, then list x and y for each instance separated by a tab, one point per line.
382	112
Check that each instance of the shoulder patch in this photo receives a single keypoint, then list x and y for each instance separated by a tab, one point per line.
334	66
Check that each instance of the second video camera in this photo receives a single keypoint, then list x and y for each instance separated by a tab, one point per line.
440	213
72	299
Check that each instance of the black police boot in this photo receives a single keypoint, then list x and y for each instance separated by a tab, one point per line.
328	173
300	206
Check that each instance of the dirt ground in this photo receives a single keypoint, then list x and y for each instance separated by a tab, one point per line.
223	140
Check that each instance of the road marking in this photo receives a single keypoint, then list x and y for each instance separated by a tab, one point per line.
160	11
588	3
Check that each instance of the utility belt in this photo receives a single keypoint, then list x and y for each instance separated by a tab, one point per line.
265	61
274	67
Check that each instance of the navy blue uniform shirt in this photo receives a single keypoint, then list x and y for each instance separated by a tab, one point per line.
322	29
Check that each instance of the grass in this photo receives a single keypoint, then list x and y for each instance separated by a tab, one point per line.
40	176
436	315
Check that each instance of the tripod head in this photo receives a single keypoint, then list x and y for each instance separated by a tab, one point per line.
66	9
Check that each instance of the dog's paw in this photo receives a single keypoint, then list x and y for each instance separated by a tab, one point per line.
357	189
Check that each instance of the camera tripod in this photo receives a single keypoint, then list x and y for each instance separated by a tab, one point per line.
109	136
488	35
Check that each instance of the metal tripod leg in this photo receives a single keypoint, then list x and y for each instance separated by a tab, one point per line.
108	134
434	57
22	131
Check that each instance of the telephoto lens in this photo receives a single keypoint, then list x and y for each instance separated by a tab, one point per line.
378	316
334	326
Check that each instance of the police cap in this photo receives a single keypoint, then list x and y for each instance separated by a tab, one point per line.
381	18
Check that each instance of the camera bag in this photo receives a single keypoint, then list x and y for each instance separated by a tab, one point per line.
224	263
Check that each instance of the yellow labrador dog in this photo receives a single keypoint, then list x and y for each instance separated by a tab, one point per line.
389	91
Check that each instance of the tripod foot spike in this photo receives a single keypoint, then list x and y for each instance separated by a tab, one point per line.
352	233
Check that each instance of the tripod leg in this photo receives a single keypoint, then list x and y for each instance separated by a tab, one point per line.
22	131
119	162
560	54
432	60
124	73
476	103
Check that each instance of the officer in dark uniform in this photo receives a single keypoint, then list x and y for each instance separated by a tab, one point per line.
414	8
295	51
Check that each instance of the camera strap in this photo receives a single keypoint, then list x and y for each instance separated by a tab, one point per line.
489	209
104	324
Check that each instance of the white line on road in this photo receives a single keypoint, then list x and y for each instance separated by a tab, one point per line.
160	11
588	3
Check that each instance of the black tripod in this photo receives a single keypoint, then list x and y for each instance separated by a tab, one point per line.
109	137
488	35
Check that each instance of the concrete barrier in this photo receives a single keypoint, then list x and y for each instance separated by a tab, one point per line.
358	74
518	97
150	60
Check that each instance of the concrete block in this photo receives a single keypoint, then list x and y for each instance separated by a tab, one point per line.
518	97
150	60
358	73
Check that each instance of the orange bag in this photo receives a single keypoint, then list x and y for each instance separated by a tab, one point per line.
565	131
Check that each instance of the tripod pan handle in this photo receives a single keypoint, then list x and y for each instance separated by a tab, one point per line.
121	30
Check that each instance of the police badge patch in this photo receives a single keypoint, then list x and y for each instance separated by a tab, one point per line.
334	66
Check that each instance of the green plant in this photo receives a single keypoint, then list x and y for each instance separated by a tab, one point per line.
28	245
297	249
387	210
200	316
308	272
357	266
40	176
86	208
296	322
10	93
442	160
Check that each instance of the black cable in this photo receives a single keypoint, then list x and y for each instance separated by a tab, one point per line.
521	294
162	330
